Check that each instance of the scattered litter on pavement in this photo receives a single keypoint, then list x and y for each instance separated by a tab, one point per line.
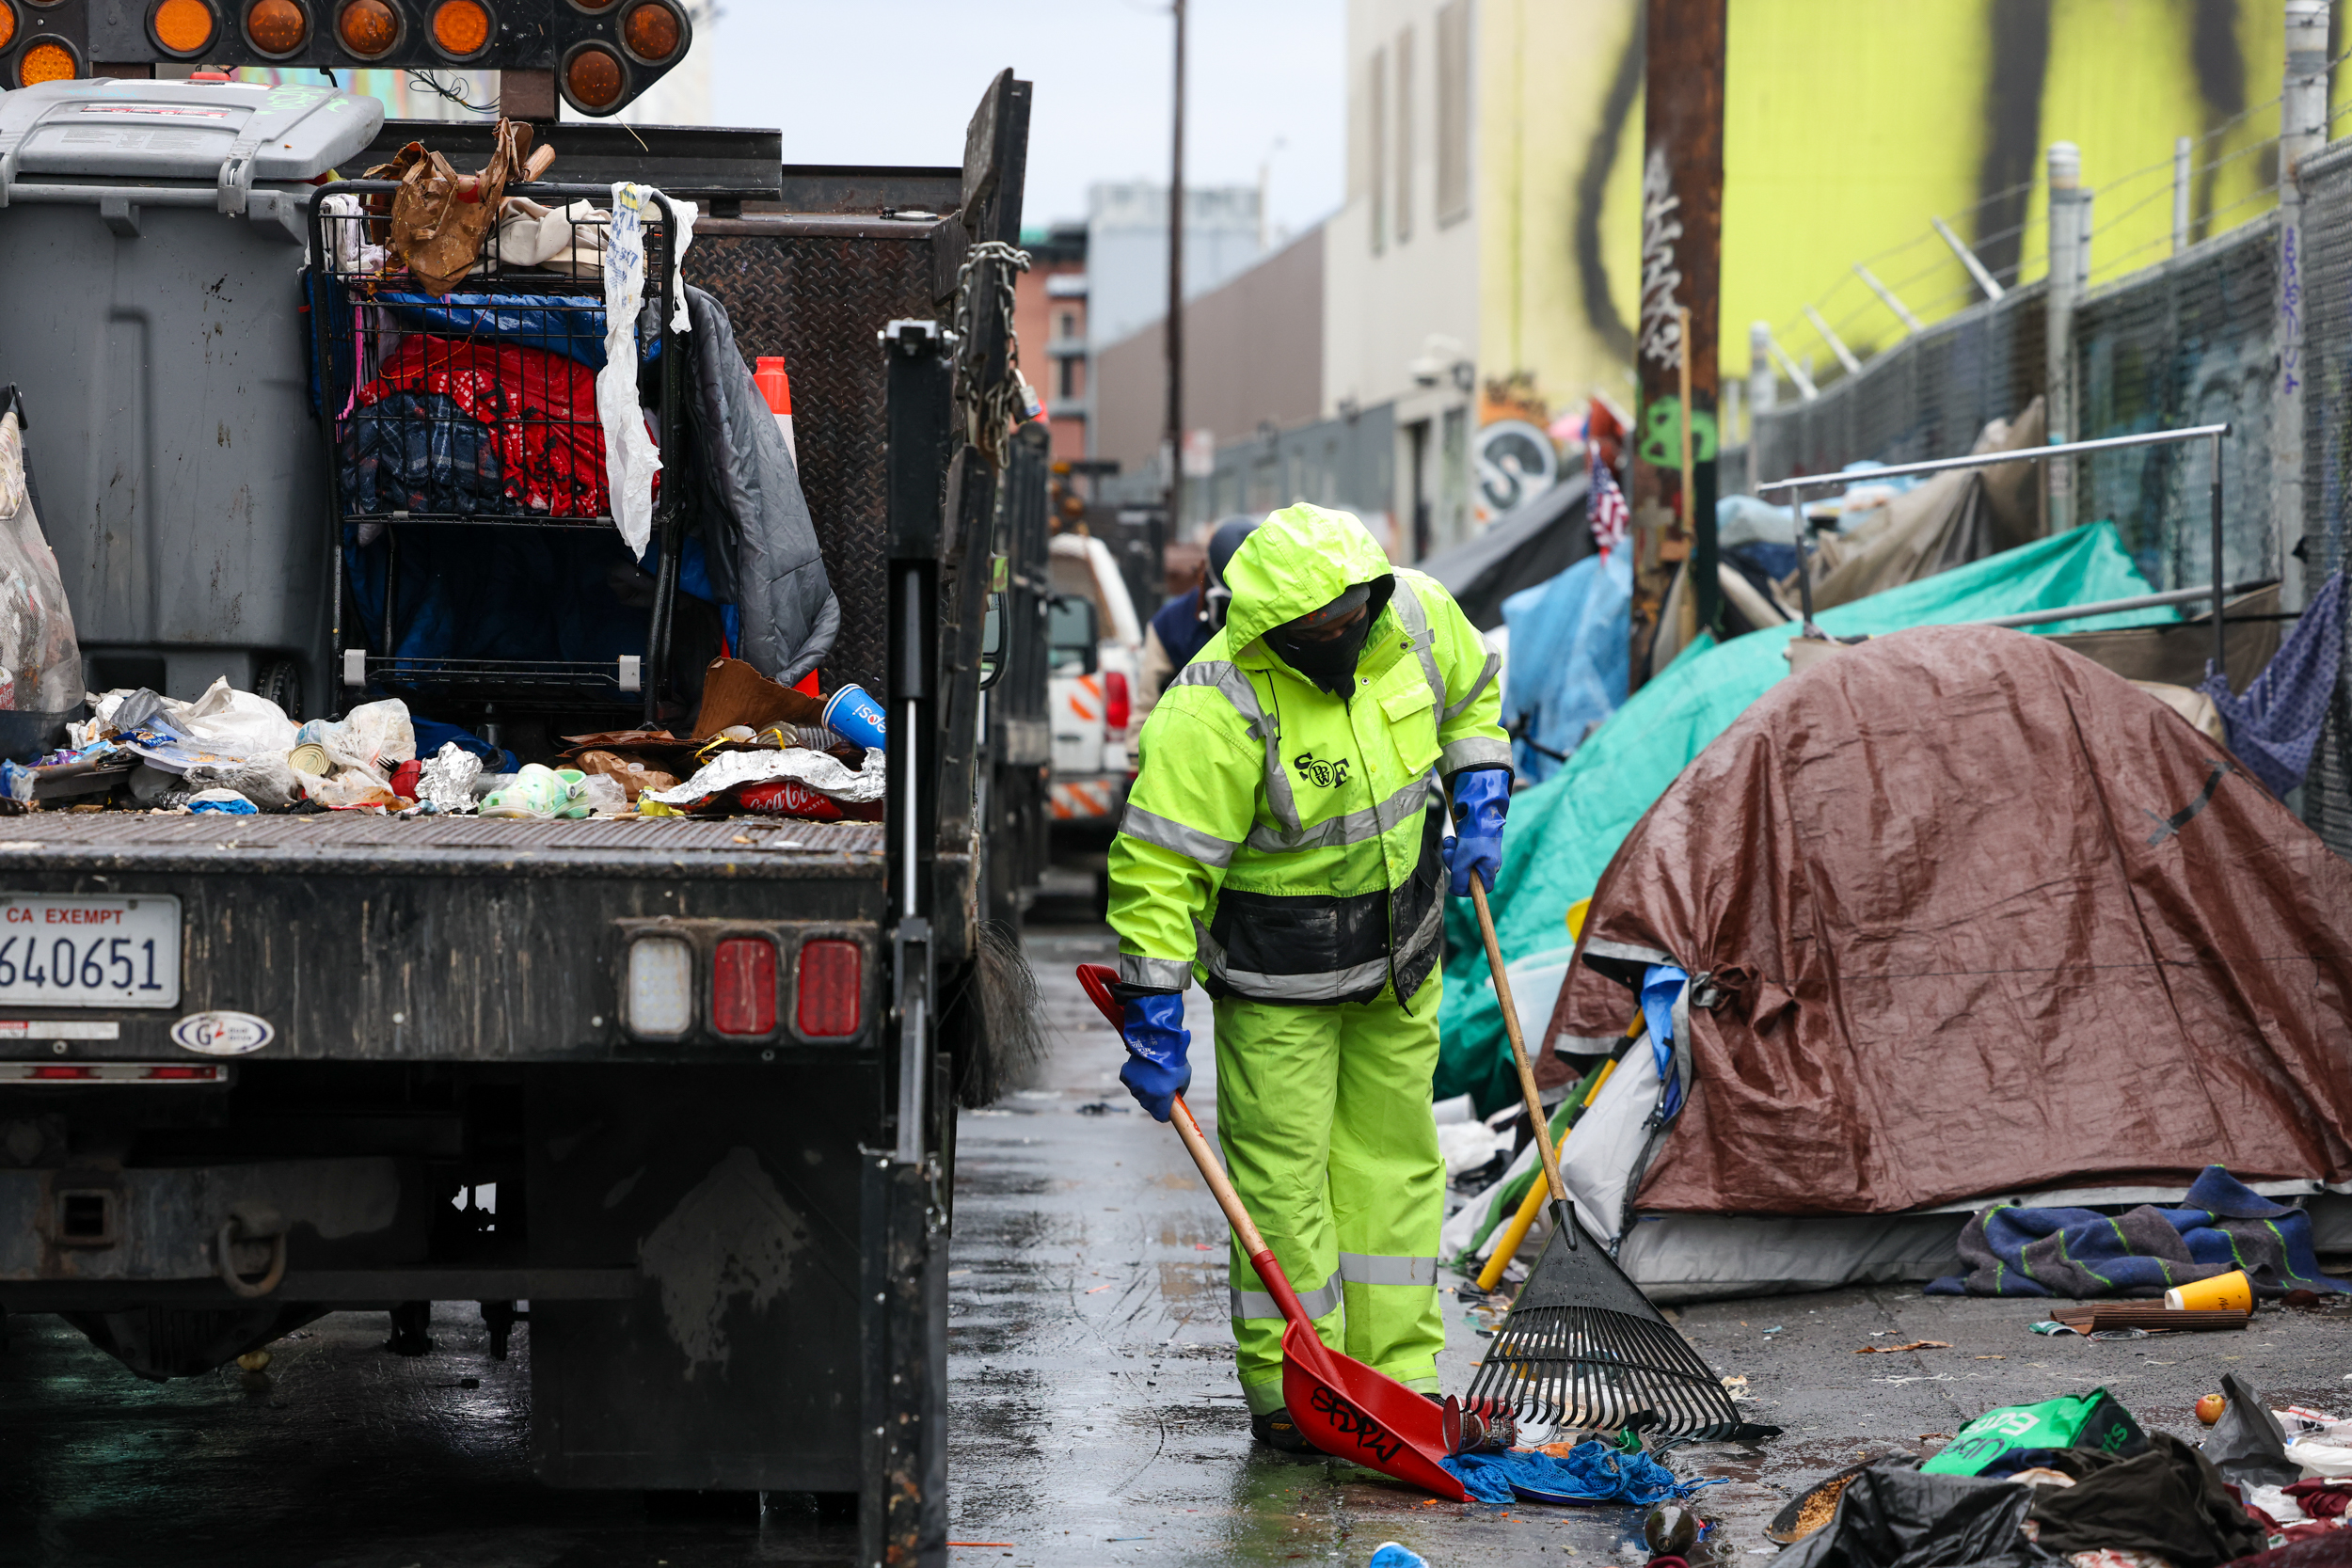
1896	1350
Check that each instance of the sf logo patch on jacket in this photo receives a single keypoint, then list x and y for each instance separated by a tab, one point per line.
1327	775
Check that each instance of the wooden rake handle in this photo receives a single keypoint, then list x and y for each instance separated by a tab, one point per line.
1536	1124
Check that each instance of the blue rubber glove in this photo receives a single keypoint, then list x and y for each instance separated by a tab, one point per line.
1481	801
1156	1071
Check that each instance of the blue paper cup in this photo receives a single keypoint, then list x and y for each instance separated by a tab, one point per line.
857	718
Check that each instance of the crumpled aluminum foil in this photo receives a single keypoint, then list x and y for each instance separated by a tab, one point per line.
826	775
447	780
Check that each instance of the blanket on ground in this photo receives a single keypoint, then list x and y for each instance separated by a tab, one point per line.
2223	1225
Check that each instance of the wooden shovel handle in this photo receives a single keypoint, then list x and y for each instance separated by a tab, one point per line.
1270	1272
1537	1125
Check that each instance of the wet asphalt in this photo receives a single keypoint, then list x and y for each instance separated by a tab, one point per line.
1095	1415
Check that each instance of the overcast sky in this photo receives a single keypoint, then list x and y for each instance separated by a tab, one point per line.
893	81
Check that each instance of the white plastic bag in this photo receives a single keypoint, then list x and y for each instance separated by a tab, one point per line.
232	724
631	459
40	662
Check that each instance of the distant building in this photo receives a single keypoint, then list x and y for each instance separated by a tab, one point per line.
1049	315
1127	250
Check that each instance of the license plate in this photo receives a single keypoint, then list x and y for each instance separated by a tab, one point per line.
67	950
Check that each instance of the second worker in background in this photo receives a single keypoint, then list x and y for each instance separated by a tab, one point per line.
1279	845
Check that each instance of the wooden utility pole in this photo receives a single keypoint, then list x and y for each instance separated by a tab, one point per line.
1174	335
1682	204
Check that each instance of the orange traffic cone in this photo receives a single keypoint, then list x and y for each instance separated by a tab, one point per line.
776	388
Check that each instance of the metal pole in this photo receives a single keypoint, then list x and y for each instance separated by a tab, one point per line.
1795	372
1804	564
1763	391
2219	663
2180	194
1174	326
2302	131
2065	286
1836	344
1886	298
1994	459
2108	607
1985	280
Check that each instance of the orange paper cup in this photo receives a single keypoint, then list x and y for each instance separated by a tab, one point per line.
2223	1293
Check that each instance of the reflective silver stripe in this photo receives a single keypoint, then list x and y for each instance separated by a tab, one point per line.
1415	620
1159	974
1257	1304
1367	1268
1179	837
1474	751
1325	985
1352	828
1494	664
1229	679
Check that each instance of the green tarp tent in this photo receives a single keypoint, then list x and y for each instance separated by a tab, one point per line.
1562	833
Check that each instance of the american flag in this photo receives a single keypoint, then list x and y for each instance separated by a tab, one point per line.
1605	505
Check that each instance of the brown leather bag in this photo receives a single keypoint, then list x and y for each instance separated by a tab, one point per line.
440	218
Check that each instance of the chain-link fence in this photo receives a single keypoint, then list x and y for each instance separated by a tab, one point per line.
1929	397
2186	341
2325	276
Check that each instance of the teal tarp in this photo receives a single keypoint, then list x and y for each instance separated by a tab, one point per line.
1563	831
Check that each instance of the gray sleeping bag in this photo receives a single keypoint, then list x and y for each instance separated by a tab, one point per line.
755	524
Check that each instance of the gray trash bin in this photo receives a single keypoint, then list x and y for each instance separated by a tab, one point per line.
150	309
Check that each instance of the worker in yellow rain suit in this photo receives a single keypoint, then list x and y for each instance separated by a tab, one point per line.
1280	847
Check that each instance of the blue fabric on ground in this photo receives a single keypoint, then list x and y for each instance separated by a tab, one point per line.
1592	1473
1391	1555
2224	1225
2274	724
1567	667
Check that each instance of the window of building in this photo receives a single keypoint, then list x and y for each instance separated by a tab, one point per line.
1404	135
1069	324
1069	378
1377	118
1453	112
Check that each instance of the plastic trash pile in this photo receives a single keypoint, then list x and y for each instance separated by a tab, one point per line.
237	753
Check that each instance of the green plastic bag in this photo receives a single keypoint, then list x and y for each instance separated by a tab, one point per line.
2092	1420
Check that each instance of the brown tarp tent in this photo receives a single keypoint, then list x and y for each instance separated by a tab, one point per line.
1982	918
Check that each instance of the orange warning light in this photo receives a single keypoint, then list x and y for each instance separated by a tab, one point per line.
182	26
461	27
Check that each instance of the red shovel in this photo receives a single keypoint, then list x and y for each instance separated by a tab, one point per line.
1344	1408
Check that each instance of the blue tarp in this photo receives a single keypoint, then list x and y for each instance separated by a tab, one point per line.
1566	667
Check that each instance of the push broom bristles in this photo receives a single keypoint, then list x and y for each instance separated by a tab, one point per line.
1582	1347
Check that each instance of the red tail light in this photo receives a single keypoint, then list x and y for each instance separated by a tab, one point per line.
1115	709
181	1074
831	974
61	1074
743	987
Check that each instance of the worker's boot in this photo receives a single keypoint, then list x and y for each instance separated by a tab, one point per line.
1275	1430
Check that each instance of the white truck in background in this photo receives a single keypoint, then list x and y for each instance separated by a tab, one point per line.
1095	648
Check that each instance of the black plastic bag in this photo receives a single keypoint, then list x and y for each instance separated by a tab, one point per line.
2248	1446
1903	1518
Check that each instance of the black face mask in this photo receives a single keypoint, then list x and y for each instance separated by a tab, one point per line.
1331	663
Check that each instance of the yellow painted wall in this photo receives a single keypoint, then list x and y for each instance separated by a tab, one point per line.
1848	124
1544	70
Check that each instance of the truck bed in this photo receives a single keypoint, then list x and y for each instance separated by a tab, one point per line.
365	938
355	841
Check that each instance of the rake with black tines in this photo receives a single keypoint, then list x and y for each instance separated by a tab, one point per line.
1583	1346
